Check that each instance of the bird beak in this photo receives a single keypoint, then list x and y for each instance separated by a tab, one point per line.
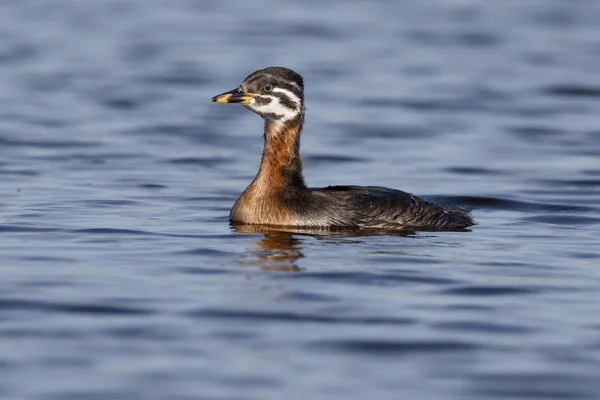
234	96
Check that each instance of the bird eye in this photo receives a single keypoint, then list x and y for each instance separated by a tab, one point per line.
268	87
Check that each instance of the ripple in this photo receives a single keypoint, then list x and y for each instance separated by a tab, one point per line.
573	90
146	332
201	161
473	171
21	172
48	259
311	30
274	316
509	204
478	39
152	186
141	52
46	143
541	111
584	183
121	103
113	231
71	308
431	104
387	132
535	131
110	202
49	82
100	394
194	133
22	333
435	39
492	290
555	18
483	327
534	385
395	347
21	228
324	159
206	252
566	220
309	297
16	52
201	270
366	278
258	33
181	74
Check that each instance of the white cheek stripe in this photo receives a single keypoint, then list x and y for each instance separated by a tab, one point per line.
274	107
289	94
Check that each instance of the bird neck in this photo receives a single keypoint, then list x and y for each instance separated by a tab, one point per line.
281	167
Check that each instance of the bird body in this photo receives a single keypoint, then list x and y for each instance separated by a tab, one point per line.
278	195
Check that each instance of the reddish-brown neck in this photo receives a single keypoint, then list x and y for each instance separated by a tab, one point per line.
281	167
278	182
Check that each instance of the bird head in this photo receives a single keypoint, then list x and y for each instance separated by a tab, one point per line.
274	93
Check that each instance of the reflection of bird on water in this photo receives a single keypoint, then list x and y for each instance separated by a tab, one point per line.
277	250
278	194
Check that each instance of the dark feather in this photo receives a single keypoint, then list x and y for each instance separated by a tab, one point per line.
379	207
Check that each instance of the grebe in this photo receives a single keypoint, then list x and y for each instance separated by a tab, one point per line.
278	195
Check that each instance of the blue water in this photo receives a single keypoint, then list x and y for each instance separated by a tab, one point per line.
120	277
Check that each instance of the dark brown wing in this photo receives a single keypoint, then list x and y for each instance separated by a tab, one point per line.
380	207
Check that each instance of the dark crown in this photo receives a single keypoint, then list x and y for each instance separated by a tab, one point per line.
283	73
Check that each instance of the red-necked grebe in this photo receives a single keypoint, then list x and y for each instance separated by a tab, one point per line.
278	195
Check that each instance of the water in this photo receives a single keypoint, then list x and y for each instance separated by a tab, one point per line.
122	279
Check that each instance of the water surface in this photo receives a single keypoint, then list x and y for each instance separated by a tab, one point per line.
122	279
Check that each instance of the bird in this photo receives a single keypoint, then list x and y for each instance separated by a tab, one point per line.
278	195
